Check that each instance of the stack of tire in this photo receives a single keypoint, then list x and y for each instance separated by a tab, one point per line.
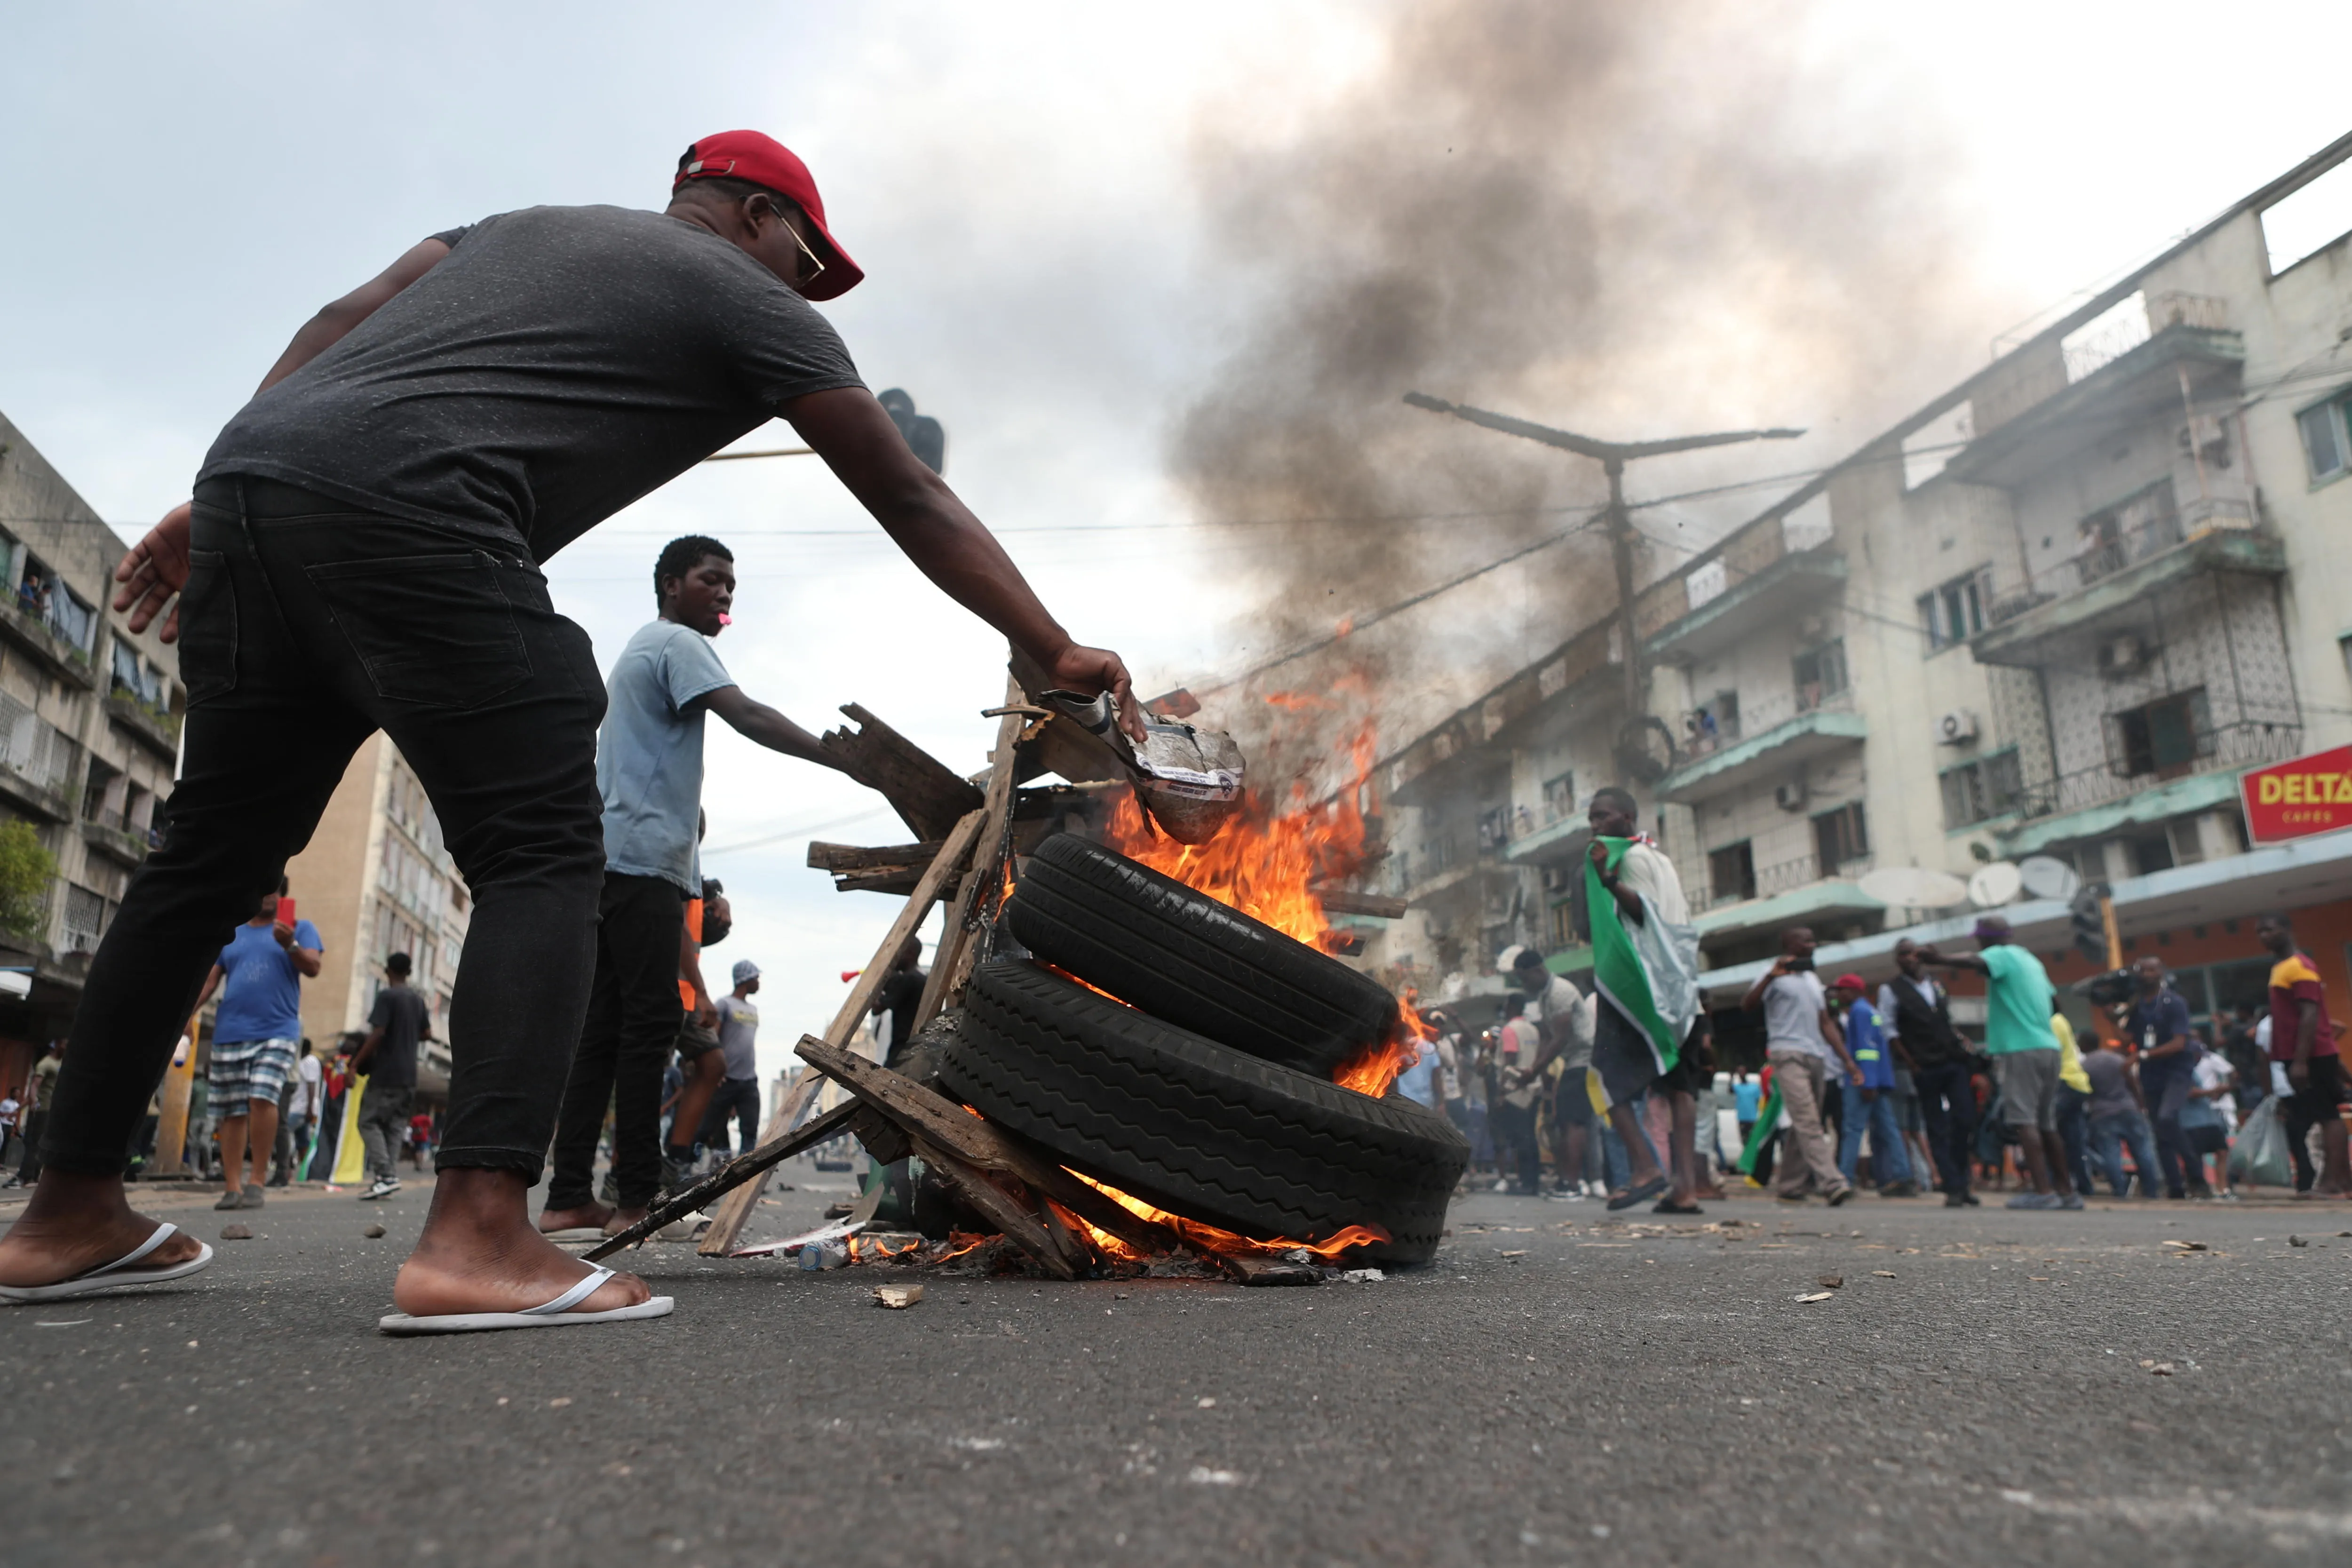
1205	1087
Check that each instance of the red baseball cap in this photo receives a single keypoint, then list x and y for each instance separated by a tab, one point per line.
760	158
1850	982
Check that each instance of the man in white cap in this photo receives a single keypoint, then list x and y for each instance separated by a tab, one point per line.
739	1092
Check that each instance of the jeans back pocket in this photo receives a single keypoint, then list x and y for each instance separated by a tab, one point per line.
436	630
208	627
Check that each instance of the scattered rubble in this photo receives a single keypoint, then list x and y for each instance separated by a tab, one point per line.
236	1233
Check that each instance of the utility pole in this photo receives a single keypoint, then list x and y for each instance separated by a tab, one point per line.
1613	456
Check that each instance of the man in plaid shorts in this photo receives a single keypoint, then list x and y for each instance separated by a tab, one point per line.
255	1036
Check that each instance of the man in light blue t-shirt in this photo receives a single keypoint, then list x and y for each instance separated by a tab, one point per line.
2019	1002
255	1036
649	768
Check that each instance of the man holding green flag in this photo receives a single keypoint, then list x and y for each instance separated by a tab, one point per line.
1649	1034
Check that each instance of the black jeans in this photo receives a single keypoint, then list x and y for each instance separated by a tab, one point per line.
634	1015
305	626
1947	1110
742	1097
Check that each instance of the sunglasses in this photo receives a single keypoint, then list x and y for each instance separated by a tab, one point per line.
816	263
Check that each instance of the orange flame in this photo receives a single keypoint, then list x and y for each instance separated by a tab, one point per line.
1213	1238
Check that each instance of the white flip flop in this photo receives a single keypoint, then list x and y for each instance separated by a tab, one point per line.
555	1314
109	1277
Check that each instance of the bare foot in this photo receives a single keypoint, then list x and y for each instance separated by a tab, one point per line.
586	1217
76	1224
622	1219
480	1253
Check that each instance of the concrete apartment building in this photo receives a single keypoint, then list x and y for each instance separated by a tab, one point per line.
89	719
376	879
2057	612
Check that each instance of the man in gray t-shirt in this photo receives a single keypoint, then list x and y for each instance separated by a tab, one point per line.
649	773
739	1091
1804	1044
362	554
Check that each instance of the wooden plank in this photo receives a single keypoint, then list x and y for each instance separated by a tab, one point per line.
728	1224
926	1114
952	964
927	796
1011	1220
730	1176
839	857
1341	901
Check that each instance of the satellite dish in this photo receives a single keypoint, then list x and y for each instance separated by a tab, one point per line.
1914	886
1995	885
2046	877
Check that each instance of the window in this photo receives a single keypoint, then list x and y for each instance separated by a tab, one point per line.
85	918
1821	674
1560	797
1840	836
2323	438
1563	925
2164	738
1985	787
1731	874
1955	612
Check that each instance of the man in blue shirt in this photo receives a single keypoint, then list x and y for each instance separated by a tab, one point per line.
254	1035
2158	1023
1865	1042
649	767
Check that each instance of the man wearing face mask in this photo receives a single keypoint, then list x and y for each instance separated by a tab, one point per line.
364	551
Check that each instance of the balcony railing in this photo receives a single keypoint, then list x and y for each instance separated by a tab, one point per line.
36	754
1730	730
2217	749
1787	877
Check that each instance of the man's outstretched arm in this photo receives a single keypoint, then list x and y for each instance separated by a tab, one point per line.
157	567
758	723
951	547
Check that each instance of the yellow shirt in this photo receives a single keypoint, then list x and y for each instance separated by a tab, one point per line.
2070	1056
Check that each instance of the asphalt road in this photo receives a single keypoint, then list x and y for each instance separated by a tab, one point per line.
1557	1389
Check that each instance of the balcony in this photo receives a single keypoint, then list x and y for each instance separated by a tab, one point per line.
1722	602
25	624
1786	894
39	767
159	729
2107	394
2091	801
1772	746
112	838
2057	614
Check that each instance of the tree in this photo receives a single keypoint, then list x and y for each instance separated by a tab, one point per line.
27	869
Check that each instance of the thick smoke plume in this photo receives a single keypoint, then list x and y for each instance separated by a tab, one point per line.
1632	221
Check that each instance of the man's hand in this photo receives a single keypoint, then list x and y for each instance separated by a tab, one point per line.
1928	954
154	573
1853	1076
2298	1073
1091	669
284	934
706	1014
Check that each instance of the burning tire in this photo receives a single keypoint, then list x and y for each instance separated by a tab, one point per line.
1202	965
1194	1127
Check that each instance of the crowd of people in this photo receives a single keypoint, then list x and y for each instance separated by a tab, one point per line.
1876	1087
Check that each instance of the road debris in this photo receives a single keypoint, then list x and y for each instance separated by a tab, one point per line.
896	1297
1883	1273
2296	1241
1829	1281
236	1233
1363	1277
2158	1368
1816	1295
2188	1246
374	1232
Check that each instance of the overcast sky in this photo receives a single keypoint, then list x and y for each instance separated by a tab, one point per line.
1020	182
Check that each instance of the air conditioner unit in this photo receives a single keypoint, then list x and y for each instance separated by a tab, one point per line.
2122	655
1956	728
1790	796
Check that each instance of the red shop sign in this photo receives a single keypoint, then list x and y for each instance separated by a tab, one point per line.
2297	799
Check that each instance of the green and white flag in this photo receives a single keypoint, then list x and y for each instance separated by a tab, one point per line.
1649	972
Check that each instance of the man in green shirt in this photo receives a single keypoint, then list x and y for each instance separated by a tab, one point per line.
2024	1052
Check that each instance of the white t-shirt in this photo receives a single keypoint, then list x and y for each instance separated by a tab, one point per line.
1645	869
1562	1001
314	1087
2211	1071
1792	1016
9	1110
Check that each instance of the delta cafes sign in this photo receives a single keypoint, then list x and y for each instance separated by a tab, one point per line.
2298	798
